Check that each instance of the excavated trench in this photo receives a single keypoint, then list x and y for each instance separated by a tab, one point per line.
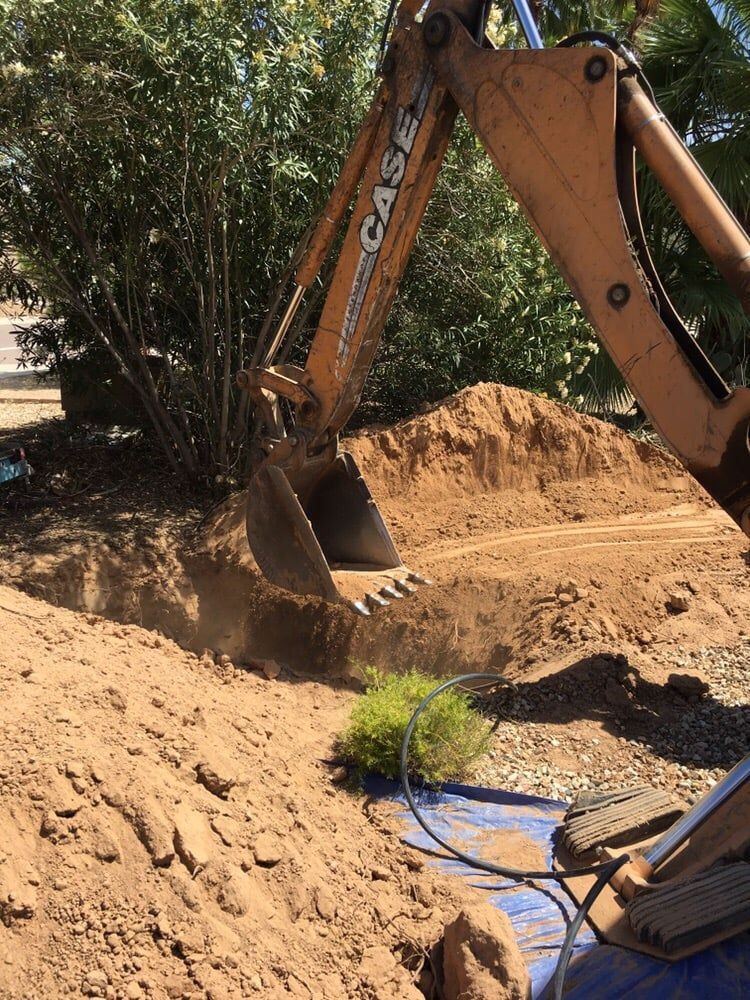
544	532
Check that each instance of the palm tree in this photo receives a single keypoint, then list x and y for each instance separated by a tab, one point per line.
697	56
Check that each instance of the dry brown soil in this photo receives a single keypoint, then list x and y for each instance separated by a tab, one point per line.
503	499
169	829
169	825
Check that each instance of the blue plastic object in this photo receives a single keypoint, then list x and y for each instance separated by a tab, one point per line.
10	469
540	916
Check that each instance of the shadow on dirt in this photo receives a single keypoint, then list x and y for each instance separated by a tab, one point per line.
90	483
607	689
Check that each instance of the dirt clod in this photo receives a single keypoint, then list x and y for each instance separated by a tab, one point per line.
267	850
689	685
679	601
217	775
481	957
193	840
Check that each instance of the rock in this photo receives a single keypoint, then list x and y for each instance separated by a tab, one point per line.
678	600
217	775
133	990
481	957
106	848
339	775
270	669
565	598
266	850
193	840
235	895
688	685
325	904
75	769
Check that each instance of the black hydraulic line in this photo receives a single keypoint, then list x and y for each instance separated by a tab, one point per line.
603	871
602	37
386	28
563	960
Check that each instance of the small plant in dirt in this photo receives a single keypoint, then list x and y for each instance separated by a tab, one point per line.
449	739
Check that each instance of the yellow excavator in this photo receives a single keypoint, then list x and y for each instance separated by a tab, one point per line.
563	126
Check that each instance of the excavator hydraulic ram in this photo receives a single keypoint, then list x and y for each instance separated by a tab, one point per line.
562	126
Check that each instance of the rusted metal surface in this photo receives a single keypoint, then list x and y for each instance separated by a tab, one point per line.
550	130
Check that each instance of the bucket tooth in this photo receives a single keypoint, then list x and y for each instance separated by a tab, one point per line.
418	578
315	529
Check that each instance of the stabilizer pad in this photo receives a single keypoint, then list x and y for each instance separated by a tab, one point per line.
694	910
596	819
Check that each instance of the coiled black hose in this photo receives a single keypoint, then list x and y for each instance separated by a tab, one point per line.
603	871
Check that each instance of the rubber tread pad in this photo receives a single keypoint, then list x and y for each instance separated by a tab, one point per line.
683	914
596	819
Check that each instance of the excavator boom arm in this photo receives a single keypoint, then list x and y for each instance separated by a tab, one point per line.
561	125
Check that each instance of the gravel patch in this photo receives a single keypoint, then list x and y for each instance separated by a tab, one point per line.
602	724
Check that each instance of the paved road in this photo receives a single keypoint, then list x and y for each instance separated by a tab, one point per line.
9	352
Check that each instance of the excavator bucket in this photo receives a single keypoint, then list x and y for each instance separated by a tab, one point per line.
324	536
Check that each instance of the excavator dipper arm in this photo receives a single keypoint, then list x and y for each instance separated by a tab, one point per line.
561	126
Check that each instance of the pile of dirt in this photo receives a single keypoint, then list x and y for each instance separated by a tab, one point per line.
542	529
491	439
171	821
170	828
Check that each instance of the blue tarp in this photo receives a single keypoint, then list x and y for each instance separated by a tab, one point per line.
464	815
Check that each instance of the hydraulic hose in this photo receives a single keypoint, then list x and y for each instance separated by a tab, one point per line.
603	871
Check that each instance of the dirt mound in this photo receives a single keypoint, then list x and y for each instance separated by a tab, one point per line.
170	829
491	438
541	528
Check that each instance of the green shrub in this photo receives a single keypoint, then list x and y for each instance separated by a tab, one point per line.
448	739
